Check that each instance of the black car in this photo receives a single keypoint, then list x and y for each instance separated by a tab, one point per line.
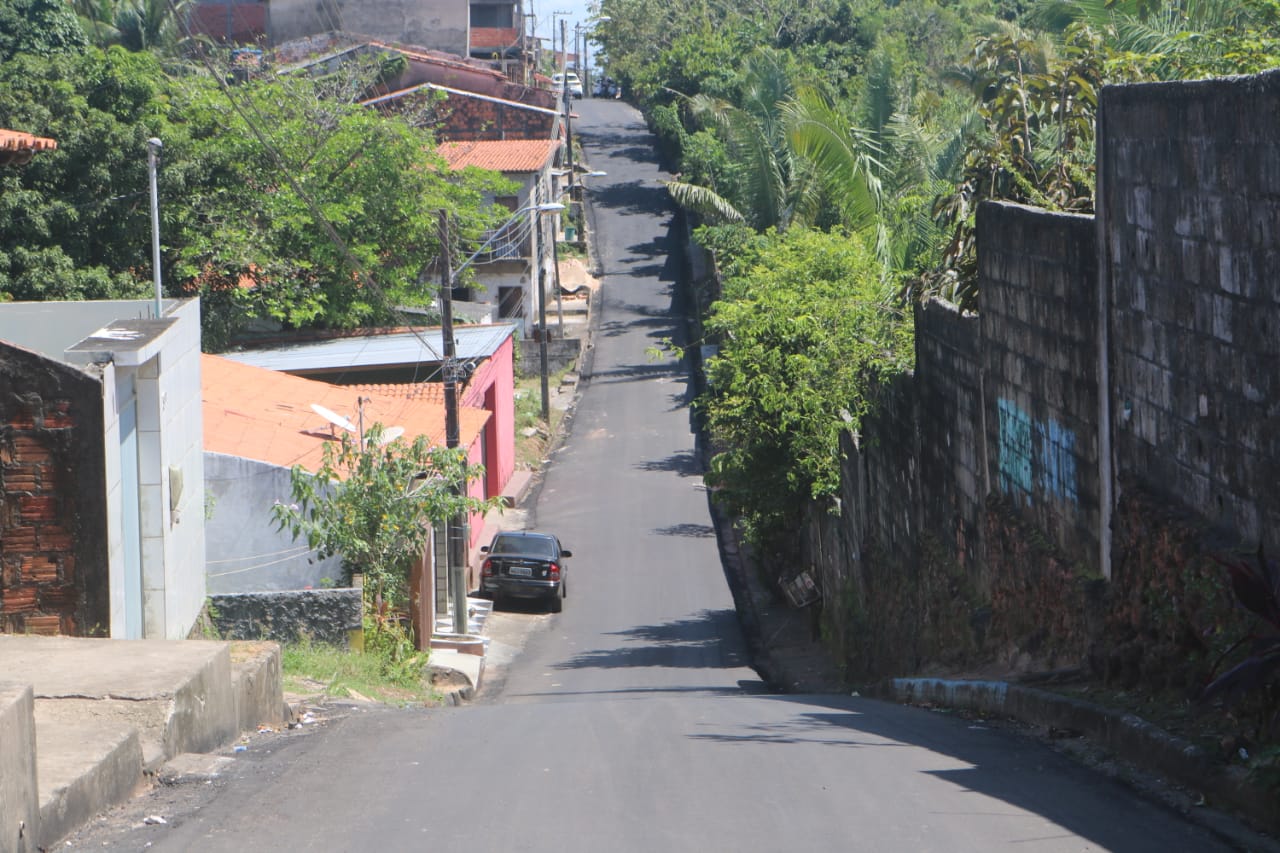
525	565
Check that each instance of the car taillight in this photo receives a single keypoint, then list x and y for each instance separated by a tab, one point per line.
487	568
553	572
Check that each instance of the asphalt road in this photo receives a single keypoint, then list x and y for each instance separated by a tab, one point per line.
632	721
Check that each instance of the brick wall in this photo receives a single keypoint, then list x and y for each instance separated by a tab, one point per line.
53	567
1189	193
473	119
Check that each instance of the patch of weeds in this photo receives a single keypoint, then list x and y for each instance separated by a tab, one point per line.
388	670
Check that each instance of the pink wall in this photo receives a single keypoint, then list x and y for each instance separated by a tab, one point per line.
492	387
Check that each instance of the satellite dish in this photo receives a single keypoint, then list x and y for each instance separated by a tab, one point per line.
390	434
333	417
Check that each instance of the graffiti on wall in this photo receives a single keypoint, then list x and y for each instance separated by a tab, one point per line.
1035	456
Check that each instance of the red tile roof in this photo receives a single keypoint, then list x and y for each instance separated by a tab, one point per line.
430	391
16	140
506	155
264	415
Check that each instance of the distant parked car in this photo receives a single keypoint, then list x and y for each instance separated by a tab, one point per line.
525	565
574	84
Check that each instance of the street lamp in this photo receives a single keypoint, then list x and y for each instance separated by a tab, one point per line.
153	154
456	550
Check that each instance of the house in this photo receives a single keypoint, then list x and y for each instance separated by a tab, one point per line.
480	102
517	257
101	468
259	424
491	30
402	370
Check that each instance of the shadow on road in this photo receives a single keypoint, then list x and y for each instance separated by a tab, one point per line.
999	765
695	642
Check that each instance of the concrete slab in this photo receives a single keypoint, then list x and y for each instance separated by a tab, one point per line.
19	797
176	693
85	766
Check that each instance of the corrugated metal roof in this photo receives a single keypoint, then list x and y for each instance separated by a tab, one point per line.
377	350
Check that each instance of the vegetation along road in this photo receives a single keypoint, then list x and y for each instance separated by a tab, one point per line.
632	720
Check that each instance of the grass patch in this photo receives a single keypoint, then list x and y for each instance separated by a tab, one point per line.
314	668
531	449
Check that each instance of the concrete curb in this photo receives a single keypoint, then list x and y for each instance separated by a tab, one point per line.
1124	735
99	715
19	796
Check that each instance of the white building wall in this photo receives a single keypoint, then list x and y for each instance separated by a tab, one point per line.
115	488
245	551
180	495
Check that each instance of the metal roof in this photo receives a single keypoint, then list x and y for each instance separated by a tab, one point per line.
388	349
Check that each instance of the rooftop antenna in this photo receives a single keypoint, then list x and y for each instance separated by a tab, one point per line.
333	418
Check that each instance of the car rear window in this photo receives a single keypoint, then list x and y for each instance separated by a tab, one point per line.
533	545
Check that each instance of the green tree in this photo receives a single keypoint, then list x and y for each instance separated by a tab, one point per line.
309	208
805	328
40	27
74	224
374	505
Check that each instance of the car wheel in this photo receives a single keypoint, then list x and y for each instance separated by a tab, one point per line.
557	602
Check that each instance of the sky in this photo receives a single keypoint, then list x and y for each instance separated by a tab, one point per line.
572	11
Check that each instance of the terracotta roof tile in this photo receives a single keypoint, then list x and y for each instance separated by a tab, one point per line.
264	415
506	155
432	392
16	140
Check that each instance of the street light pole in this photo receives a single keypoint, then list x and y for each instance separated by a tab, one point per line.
153	152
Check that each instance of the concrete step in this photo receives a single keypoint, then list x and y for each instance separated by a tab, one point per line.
83	767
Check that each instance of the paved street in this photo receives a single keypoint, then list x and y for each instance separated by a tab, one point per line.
632	721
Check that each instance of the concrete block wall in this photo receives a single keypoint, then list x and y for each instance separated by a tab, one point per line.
1133	350
1037	275
953	452
1189	199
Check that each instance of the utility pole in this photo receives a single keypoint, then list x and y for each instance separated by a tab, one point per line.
456	532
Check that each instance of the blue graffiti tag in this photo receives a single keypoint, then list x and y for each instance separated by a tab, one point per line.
1015	449
1058	460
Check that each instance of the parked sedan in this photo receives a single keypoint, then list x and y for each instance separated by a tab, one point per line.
525	565
567	81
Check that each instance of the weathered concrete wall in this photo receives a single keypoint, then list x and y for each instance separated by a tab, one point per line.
1037	275
19	794
1189	197
243	550
53	523
561	353
1108	423
323	615
953	451
433	24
